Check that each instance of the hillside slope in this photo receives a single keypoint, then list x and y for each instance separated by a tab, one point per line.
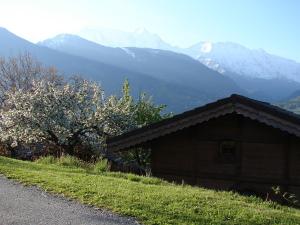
150	200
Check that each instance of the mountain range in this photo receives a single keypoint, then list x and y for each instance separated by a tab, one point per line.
160	64
182	78
259	74
139	38
169	77
220	56
262	75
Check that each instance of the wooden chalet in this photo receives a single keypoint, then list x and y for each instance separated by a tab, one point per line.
235	143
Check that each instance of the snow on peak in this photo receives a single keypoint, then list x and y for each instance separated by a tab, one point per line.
235	58
221	56
131	53
140	38
206	47
141	30
58	40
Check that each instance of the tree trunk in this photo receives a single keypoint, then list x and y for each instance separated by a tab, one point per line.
68	149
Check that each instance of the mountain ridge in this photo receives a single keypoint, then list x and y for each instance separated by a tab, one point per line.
163	64
176	95
268	86
217	62
110	77
174	78
140	38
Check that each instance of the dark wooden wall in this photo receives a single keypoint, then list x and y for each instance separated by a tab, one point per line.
266	156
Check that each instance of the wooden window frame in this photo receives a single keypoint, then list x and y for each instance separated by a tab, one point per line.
228	152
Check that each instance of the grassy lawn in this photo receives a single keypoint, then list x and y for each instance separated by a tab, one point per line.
150	200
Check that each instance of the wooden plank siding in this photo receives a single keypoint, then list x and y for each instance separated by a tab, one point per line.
260	111
265	156
259	142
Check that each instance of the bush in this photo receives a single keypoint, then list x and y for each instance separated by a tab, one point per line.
47	160
101	166
133	177
71	161
68	161
4	151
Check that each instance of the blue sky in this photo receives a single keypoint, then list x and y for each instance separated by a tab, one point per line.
273	25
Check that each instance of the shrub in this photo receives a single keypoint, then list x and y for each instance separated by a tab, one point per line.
47	160
71	161
285	197
67	161
101	166
133	177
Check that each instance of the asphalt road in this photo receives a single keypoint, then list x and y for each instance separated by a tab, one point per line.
21	205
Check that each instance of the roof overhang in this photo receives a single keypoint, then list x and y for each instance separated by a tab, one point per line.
255	110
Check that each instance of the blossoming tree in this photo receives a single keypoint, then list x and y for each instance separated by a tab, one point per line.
63	115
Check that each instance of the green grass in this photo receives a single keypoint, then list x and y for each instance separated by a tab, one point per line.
150	200
101	166
66	161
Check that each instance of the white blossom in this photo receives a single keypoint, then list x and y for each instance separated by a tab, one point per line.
64	115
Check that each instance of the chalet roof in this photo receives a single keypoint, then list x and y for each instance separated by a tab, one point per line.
253	109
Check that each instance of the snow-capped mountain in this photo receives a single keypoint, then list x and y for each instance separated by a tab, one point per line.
262	75
253	63
224	57
165	65
57	41
72	55
140	38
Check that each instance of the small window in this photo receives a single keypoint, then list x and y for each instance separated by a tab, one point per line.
228	152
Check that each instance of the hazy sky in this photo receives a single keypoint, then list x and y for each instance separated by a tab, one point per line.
273	25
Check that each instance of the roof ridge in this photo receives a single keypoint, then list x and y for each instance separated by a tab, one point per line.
234	100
